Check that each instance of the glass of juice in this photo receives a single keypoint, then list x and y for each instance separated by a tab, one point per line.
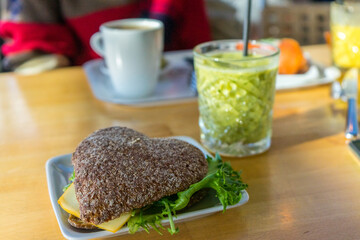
345	33
236	95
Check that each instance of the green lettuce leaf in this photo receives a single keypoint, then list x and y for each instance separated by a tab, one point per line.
71	179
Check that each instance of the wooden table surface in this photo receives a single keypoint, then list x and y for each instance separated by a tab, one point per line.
307	186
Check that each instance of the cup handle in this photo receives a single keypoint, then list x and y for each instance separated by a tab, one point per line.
96	43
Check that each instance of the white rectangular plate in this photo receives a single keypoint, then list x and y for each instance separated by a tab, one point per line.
58	170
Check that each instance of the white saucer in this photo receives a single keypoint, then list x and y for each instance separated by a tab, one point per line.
174	84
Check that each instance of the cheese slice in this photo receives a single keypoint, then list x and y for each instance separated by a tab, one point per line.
70	204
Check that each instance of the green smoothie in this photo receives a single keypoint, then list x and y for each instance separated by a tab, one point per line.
236	96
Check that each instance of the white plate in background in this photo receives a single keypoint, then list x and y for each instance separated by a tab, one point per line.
316	75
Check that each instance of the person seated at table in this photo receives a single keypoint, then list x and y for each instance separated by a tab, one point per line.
46	34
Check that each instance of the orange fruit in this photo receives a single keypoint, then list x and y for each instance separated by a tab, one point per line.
292	60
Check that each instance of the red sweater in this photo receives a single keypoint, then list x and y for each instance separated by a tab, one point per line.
40	25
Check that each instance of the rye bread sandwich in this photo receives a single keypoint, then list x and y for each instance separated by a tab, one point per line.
122	177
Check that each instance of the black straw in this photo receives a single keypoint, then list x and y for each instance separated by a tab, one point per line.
246	28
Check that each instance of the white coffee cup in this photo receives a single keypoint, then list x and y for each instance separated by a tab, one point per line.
132	49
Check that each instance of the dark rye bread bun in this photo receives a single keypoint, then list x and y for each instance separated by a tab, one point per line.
78	223
118	169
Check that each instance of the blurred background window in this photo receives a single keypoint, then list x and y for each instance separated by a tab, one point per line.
304	20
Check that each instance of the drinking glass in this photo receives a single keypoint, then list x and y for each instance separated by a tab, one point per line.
236	95
345	34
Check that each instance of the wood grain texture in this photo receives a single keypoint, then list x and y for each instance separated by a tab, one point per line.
307	186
